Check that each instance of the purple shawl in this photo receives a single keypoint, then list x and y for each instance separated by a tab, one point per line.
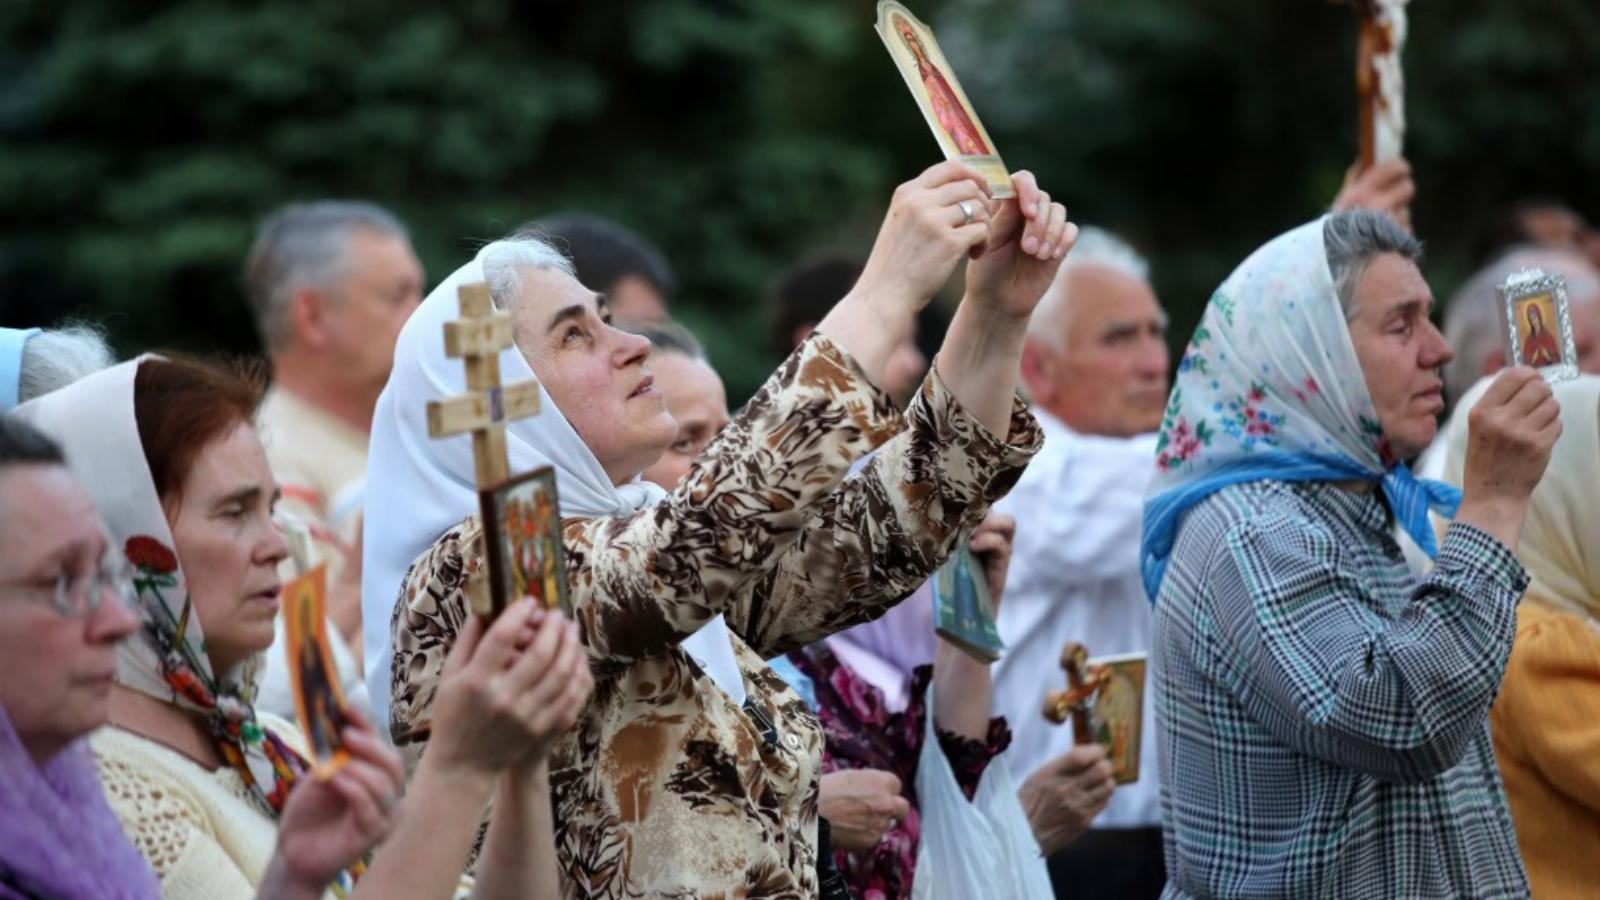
58	836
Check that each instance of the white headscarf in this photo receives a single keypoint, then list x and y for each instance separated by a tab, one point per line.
418	487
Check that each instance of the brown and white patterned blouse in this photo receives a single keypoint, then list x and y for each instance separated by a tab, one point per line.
666	787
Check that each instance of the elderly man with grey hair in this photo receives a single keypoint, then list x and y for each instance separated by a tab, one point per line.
330	284
1095	368
1323	712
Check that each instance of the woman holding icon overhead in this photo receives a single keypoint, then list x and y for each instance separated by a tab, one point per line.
219	798
694	768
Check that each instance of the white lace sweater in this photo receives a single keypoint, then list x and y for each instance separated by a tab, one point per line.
199	829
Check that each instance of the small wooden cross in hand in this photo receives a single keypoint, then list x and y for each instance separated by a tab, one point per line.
1083	684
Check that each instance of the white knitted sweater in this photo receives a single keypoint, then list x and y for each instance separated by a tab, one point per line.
201	831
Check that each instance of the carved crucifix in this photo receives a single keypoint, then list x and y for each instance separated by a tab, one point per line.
1380	83
477	339
1083	683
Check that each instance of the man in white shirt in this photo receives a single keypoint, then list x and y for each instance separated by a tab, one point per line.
330	284
1096	368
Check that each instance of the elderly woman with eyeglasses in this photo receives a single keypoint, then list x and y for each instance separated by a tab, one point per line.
160	469
63	610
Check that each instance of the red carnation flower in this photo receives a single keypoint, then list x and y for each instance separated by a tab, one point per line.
149	553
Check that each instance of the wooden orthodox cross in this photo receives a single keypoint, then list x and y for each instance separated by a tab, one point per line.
1083	683
477	339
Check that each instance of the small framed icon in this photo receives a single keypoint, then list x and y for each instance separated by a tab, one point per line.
1536	324
522	539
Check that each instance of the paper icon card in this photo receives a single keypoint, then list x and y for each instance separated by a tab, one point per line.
1536	324
963	613
1117	718
522	539
313	677
954	122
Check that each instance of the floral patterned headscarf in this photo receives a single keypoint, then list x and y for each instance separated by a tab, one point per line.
1270	388
93	420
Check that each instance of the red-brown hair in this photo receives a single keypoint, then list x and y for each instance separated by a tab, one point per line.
182	405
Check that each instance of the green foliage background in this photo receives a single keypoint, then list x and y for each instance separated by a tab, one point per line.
140	143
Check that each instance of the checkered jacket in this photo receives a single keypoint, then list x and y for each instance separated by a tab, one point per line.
1323	715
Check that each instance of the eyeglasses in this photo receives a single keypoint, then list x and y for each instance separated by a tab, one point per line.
78	595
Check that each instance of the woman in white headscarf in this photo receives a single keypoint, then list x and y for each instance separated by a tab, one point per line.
218	797
1546	721
693	771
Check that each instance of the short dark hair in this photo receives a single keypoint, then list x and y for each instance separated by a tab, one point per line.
804	294
22	444
605	252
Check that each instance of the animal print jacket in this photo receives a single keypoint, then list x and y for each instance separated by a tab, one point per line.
666	787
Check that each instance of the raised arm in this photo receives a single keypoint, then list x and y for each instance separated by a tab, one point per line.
887	528
644	582
963	686
1396	698
649	581
981	357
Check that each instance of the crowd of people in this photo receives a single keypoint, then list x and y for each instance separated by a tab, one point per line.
1360	554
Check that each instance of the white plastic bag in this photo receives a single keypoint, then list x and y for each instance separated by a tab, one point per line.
973	850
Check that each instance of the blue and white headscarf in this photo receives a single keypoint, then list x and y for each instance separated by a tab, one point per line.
12	340
1270	388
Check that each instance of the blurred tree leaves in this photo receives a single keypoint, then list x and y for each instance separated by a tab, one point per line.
140	142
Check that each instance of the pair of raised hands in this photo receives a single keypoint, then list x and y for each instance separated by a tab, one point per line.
946	214
508	692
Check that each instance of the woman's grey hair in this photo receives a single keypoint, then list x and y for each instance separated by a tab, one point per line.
671	337
304	245
55	358
1352	240
505	260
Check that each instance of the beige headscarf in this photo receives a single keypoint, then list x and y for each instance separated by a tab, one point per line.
1560	544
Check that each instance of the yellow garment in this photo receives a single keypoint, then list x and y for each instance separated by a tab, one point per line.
1546	727
1546	721
321	465
201	830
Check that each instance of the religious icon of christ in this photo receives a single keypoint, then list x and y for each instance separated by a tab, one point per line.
947	106
1539	347
324	718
